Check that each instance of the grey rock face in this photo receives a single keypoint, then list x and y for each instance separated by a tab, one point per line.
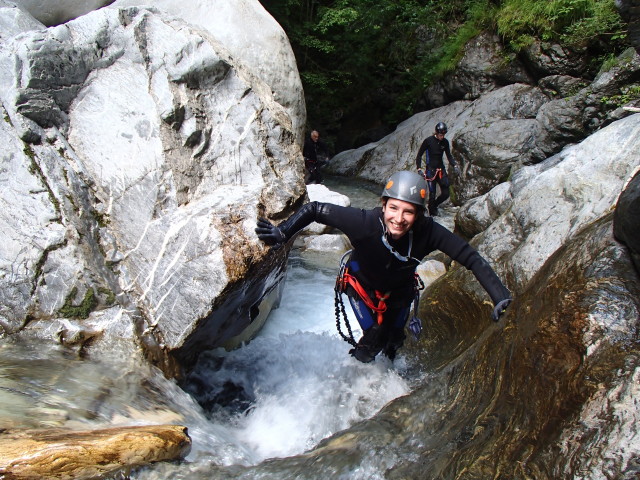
550	202
252	37
502	131
484	67
139	156
498	132
14	20
570	119
546	59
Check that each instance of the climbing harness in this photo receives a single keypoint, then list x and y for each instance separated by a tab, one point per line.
437	174
339	304
345	279
415	325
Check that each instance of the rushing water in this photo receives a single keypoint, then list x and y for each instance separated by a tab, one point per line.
505	400
277	396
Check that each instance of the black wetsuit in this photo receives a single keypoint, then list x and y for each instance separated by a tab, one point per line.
434	150
311	151
376	268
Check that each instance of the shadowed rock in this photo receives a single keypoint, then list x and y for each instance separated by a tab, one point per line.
626	220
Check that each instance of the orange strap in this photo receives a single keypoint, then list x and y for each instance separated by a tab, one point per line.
438	174
380	308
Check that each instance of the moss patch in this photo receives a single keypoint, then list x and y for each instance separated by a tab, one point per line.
82	310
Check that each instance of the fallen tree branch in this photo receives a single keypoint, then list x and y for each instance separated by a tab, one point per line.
79	455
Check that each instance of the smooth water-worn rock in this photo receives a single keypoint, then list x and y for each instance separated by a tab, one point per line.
137	157
546	393
376	161
527	392
548	203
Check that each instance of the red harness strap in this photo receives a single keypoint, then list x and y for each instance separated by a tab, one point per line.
437	174
353	281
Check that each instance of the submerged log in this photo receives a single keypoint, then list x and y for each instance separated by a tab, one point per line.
66	454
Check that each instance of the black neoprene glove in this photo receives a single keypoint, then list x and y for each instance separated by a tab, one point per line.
500	308
269	233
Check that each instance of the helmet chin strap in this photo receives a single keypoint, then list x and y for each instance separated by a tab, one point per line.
393	251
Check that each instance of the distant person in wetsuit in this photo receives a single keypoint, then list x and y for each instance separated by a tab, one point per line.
315	154
388	242
434	170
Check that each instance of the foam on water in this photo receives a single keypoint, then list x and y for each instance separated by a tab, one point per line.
299	383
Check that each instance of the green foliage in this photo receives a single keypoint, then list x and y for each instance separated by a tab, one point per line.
629	94
609	62
360	56
478	18
340	17
572	22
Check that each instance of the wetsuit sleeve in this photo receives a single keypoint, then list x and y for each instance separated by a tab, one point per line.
447	151
488	279
421	151
347	219
466	255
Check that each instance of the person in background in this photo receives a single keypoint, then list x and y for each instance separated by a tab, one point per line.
315	154
389	242
434	170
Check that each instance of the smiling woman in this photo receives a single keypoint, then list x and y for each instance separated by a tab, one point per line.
388	242
402	202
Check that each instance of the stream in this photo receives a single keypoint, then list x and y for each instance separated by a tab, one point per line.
277	396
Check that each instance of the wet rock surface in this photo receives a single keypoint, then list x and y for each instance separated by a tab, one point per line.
546	393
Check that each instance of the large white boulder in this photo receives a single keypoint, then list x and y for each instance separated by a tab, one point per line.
136	157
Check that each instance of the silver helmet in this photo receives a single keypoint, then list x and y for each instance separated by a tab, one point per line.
408	186
441	128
